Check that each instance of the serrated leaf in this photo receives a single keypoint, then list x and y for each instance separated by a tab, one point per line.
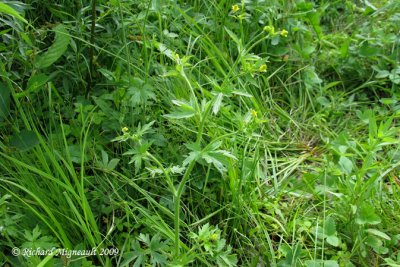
227	260
180	115
164	50
112	164
109	75
75	153
366	215
184	110
104	157
217	103
211	159
56	50
139	154
140	92
310	77
34	240
191	157
226	154
177	169
213	146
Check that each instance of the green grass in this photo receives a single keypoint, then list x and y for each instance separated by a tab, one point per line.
200	133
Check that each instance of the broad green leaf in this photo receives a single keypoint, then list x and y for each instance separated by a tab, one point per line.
307	50
367	50
378	233
279	51
314	18
233	36
104	157
376	244
75	153
35	83
392	263
156	5
6	9
24	140
333	240
304	6
388	101
4	101
382	74
56	50
275	40
365	116
330	227
346	164
366	215
310	77
395	76
321	263
323	101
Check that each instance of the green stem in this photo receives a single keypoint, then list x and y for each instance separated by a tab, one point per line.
91	53
178	193
169	180
177	200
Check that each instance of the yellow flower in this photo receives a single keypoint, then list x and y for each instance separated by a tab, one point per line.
253	113
269	29
284	33
214	237
285	58
235	8
125	129
263	68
